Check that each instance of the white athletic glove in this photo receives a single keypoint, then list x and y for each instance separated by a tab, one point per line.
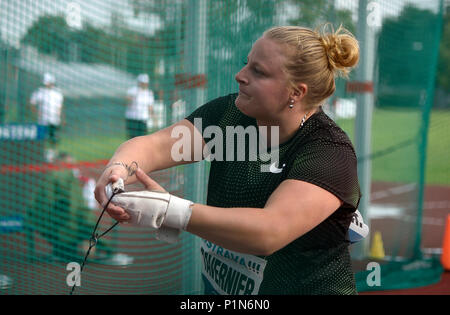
166	213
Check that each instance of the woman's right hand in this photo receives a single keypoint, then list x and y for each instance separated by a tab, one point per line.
110	175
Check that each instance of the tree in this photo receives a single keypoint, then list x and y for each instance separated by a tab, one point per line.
443	71
235	25
312	13
405	53
50	35
117	46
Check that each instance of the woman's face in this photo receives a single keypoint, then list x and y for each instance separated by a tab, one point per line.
263	86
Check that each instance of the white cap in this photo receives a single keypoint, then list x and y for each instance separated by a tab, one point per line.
48	79
142	78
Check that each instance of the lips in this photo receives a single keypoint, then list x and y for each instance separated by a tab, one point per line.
243	93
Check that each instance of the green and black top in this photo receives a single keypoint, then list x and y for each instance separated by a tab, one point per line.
319	153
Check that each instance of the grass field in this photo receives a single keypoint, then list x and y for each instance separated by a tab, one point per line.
91	148
438	152
390	127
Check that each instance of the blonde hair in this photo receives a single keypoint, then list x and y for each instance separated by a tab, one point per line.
316	57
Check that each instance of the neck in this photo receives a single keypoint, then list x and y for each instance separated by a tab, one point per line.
288	126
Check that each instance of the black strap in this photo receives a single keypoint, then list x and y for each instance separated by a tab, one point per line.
95	237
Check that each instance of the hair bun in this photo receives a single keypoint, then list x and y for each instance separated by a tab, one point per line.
341	48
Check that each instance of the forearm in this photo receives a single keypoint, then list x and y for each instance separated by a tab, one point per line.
134	150
245	230
154	152
145	151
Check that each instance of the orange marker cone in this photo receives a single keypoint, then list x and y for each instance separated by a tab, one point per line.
445	258
377	248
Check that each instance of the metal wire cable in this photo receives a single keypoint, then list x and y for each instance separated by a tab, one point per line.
95	237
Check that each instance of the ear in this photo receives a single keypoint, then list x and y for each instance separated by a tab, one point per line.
299	92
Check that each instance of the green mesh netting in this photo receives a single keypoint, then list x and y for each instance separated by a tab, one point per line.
191	51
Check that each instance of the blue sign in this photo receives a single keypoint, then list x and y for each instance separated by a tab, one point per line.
11	224
22	132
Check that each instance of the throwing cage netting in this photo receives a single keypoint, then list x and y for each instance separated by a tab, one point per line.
191	51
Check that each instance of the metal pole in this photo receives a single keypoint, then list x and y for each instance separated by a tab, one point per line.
427	101
195	63
363	123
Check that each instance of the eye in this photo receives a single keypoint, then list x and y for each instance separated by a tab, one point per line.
254	69
257	71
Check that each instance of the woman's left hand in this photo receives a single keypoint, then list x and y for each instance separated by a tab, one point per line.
154	207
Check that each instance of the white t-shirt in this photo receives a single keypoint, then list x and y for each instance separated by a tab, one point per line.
178	110
138	108
49	102
88	194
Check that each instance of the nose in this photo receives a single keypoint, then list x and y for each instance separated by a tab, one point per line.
240	77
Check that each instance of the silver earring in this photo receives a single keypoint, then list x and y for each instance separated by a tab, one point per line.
292	104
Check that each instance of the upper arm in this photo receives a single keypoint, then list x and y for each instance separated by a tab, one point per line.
322	178
296	207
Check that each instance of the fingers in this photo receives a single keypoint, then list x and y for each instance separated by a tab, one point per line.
117	213
110	175
149	183
100	194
